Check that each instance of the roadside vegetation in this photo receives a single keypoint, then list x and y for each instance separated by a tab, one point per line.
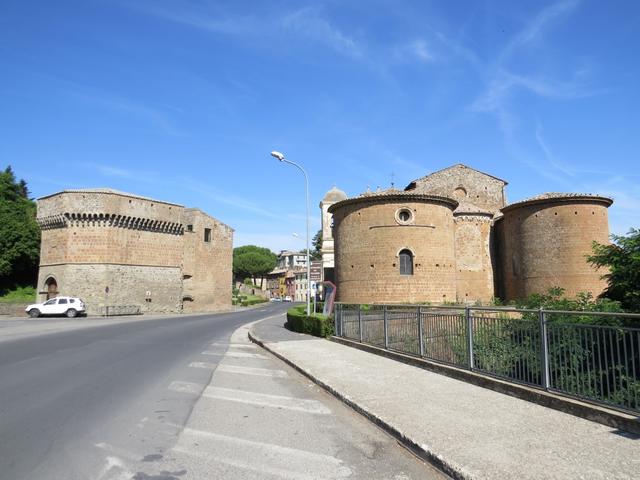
250	261
19	240
622	259
315	324
244	299
19	295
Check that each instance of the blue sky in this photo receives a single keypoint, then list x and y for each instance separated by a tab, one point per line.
183	100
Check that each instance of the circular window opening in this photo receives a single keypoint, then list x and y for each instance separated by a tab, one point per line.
404	216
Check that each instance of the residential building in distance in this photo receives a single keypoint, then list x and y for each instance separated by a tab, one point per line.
128	253
289	278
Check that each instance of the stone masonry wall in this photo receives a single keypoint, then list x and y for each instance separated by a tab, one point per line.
464	184
474	270
128	285
207	265
368	239
136	246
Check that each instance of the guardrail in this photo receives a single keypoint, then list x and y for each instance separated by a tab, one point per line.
568	352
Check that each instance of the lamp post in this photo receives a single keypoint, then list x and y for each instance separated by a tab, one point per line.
281	158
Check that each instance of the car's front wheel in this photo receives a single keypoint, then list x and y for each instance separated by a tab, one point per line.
71	313
34	313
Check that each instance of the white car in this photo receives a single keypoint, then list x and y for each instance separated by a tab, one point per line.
288	299
69	306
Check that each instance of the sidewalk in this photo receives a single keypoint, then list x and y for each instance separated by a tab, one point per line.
469	431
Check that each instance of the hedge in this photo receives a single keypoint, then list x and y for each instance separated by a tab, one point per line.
252	301
316	324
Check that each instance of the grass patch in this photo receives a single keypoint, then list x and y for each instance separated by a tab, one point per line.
19	295
246	300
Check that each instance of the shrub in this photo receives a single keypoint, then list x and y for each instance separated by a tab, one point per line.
315	324
252	301
19	294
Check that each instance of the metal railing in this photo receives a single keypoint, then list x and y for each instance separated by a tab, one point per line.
594	356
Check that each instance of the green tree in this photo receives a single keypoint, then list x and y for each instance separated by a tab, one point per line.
19	233
252	261
622	258
316	253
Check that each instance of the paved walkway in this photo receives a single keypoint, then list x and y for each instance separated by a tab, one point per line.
471	431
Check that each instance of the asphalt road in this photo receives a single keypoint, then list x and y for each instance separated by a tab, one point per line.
149	400
64	393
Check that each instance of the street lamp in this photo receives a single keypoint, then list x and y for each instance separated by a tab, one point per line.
281	158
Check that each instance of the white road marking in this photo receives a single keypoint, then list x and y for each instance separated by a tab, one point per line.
260	372
236	354
246	345
208	366
186	387
285	462
274	401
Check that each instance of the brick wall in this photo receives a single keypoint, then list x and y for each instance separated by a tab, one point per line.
544	245
207	265
368	239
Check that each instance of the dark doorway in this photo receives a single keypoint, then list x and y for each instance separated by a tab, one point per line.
51	287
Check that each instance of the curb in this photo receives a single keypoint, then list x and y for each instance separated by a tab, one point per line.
594	413
421	451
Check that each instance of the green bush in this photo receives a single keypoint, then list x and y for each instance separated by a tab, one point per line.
19	295
316	324
252	301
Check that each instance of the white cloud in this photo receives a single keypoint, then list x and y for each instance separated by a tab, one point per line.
415	50
310	23
534	28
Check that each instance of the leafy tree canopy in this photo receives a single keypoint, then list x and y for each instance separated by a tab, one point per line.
622	258
252	261
316	253
19	233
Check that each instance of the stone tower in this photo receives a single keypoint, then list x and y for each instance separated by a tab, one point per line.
332	196
117	250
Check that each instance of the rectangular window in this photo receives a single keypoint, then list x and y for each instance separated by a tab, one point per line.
189	228
62	300
207	235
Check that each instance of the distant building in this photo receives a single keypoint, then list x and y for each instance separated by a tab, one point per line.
289	276
119	250
334	195
450	236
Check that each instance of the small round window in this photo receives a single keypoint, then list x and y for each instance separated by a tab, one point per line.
404	216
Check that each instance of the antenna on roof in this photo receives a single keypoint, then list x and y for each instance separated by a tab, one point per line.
393	177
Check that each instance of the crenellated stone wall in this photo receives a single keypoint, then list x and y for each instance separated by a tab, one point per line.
113	248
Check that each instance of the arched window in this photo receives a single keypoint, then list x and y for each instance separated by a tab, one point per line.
51	287
406	262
